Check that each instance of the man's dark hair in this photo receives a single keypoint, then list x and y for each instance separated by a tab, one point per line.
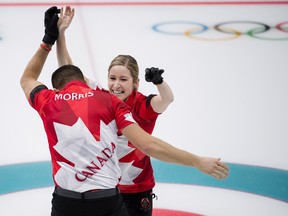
65	74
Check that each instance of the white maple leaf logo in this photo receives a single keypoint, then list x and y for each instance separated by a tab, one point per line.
95	164
128	171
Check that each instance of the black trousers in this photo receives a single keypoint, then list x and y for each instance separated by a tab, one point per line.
139	204
107	206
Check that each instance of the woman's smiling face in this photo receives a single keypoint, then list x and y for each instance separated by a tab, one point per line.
120	82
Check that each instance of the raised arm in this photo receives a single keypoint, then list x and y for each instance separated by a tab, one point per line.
29	78
161	150
32	71
65	19
161	101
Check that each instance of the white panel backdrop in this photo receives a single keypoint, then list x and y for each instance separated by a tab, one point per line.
230	96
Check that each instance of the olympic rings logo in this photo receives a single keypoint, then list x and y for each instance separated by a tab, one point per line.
225	30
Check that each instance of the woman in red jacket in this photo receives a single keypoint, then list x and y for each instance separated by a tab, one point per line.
137	173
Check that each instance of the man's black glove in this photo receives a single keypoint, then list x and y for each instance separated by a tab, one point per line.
50	23
154	75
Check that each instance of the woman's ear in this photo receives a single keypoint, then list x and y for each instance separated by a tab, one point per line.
136	85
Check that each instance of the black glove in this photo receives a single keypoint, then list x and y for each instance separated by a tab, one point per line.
50	23
154	75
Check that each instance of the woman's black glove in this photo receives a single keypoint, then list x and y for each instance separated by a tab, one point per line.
154	75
